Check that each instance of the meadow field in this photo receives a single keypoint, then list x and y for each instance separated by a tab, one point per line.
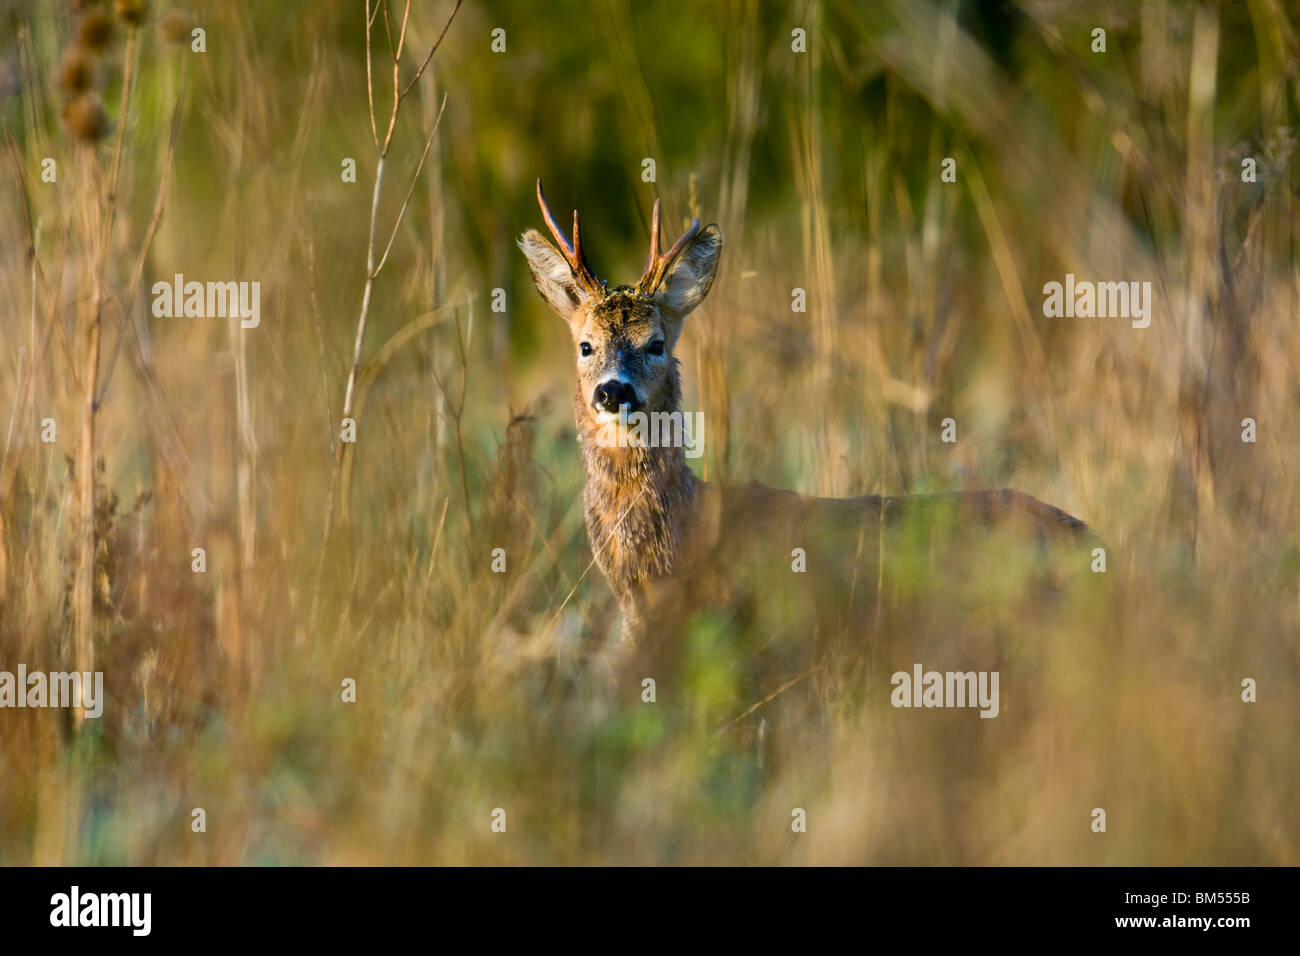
304	636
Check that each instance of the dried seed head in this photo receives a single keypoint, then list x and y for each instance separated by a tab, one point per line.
96	31
85	119
76	71
131	12
175	27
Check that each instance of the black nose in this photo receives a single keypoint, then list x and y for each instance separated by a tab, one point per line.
612	394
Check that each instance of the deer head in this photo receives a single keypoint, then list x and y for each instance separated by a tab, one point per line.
623	338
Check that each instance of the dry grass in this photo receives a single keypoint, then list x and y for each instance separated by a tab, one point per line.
924	303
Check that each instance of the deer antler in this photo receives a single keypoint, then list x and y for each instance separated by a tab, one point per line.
657	265
572	251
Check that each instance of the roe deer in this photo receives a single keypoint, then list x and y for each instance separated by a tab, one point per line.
663	537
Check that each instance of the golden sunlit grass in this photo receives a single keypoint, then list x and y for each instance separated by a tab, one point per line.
924	302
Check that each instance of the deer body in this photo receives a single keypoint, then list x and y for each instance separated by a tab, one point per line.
663	538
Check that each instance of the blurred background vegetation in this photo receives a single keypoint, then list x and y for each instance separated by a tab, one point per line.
924	302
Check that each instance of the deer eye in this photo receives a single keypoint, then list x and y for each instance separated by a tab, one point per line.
655	348
585	348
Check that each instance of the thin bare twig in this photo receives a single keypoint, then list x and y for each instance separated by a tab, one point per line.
370	81
372	267
776	693
397	66
401	213
432	50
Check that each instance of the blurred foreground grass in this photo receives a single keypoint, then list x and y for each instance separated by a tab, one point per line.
923	303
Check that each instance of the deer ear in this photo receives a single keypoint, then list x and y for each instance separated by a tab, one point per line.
552	275
691	275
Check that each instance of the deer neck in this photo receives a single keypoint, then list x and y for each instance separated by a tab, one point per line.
638	505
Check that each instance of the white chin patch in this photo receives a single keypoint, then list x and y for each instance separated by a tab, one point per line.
603	417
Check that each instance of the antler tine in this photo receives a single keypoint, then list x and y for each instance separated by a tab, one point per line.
680	244
577	242
572	251
658	263
565	246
